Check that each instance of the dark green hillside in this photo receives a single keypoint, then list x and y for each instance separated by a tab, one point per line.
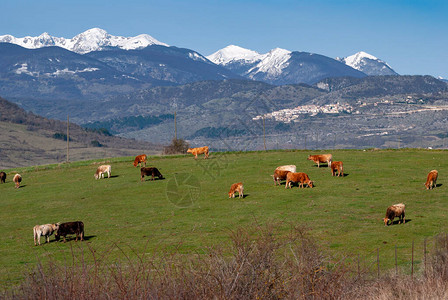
344	214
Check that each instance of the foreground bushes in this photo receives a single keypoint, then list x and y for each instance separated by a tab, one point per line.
257	266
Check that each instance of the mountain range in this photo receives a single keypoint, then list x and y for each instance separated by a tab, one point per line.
278	66
133	86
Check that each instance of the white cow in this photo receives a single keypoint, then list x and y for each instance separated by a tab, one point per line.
101	170
44	230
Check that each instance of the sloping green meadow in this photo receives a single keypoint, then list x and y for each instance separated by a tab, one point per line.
190	209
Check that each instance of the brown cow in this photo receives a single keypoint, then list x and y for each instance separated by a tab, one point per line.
431	179
236	187
337	166
196	151
17	180
140	159
70	228
301	178
2	177
281	172
393	211
321	158
150	171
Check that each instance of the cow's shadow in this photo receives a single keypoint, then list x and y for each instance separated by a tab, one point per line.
73	238
395	222
439	185
345	175
155	179
114	176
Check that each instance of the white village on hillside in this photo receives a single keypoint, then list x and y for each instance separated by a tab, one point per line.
289	115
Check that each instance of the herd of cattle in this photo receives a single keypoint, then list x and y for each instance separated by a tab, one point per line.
286	172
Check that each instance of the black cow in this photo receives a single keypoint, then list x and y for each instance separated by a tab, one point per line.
150	171
70	228
2	177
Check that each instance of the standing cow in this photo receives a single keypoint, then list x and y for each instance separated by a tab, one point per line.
301	178
200	150
17	180
397	210
139	160
150	171
321	158
281	172
337	166
44	230
431	180
2	177
101	170
70	228
236	187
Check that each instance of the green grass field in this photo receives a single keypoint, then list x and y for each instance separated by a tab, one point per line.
190	209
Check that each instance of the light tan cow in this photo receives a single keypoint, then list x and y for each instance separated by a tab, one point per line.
431	180
101	170
236	187
281	172
44	230
200	150
17	180
321	158
393	211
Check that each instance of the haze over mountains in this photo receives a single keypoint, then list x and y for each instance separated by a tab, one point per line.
118	82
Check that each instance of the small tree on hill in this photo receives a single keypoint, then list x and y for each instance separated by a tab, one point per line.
176	146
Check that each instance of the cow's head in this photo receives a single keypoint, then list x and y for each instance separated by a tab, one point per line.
386	221
96	176
55	226
57	237
310	184
190	150
309	157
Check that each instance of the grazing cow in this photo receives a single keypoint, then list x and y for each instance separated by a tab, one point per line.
70	228
2	177
431	179
281	172
393	211
301	178
321	158
101	170
196	151
44	230
150	171
140	159
17	180
236	187
337	166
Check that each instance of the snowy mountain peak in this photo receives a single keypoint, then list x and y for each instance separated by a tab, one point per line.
367	63
233	53
93	39
356	59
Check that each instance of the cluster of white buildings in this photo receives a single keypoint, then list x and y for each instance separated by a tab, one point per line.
289	115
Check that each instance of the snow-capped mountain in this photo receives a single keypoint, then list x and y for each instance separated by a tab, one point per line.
280	66
248	62
368	64
91	40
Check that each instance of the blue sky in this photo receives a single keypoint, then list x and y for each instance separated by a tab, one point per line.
412	36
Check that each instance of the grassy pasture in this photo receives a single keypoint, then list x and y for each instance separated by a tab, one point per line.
190	209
